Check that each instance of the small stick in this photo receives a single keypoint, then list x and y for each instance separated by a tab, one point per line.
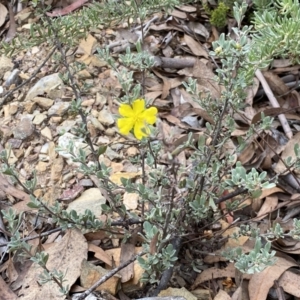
274	102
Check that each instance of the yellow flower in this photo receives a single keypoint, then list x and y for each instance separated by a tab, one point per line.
136	117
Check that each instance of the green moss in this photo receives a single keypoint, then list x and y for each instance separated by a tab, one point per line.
219	15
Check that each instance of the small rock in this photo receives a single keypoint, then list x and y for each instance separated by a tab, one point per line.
105	117
64	142
45	148
132	151
35	50
130	200
111	154
43	102
110	131
29	107
59	109
96	123
84	74
103	140
65	126
14	143
38	119
116	167
88	102
86	182
100	99
5	65
90	199
24	129
41	166
12	158
46	132
92	130
56	169
97	62
12	78
44	86
13	108
55	120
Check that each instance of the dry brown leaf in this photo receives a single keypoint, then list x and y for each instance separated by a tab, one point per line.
237	295
290	282
153	244
232	242
268	206
251	91
100	254
198	28
276	84
222	295
214	273
3	14
206	79
260	283
65	256
281	63
272	112
288	152
152	95
287	245
90	274
178	14
195	46
247	153
127	251
187	8
138	271
9	189
6	292
174	121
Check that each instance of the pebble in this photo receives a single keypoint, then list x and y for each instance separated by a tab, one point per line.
5	65
84	74
44	86
14	143
59	108
111	154
105	117
110	131
45	148
46	132
43	102
13	108
86	182
92	199
24	129
132	151
29	106
38	119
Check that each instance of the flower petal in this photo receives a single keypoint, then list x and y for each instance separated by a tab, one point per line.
138	127
125	110
125	125
138	106
149	115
